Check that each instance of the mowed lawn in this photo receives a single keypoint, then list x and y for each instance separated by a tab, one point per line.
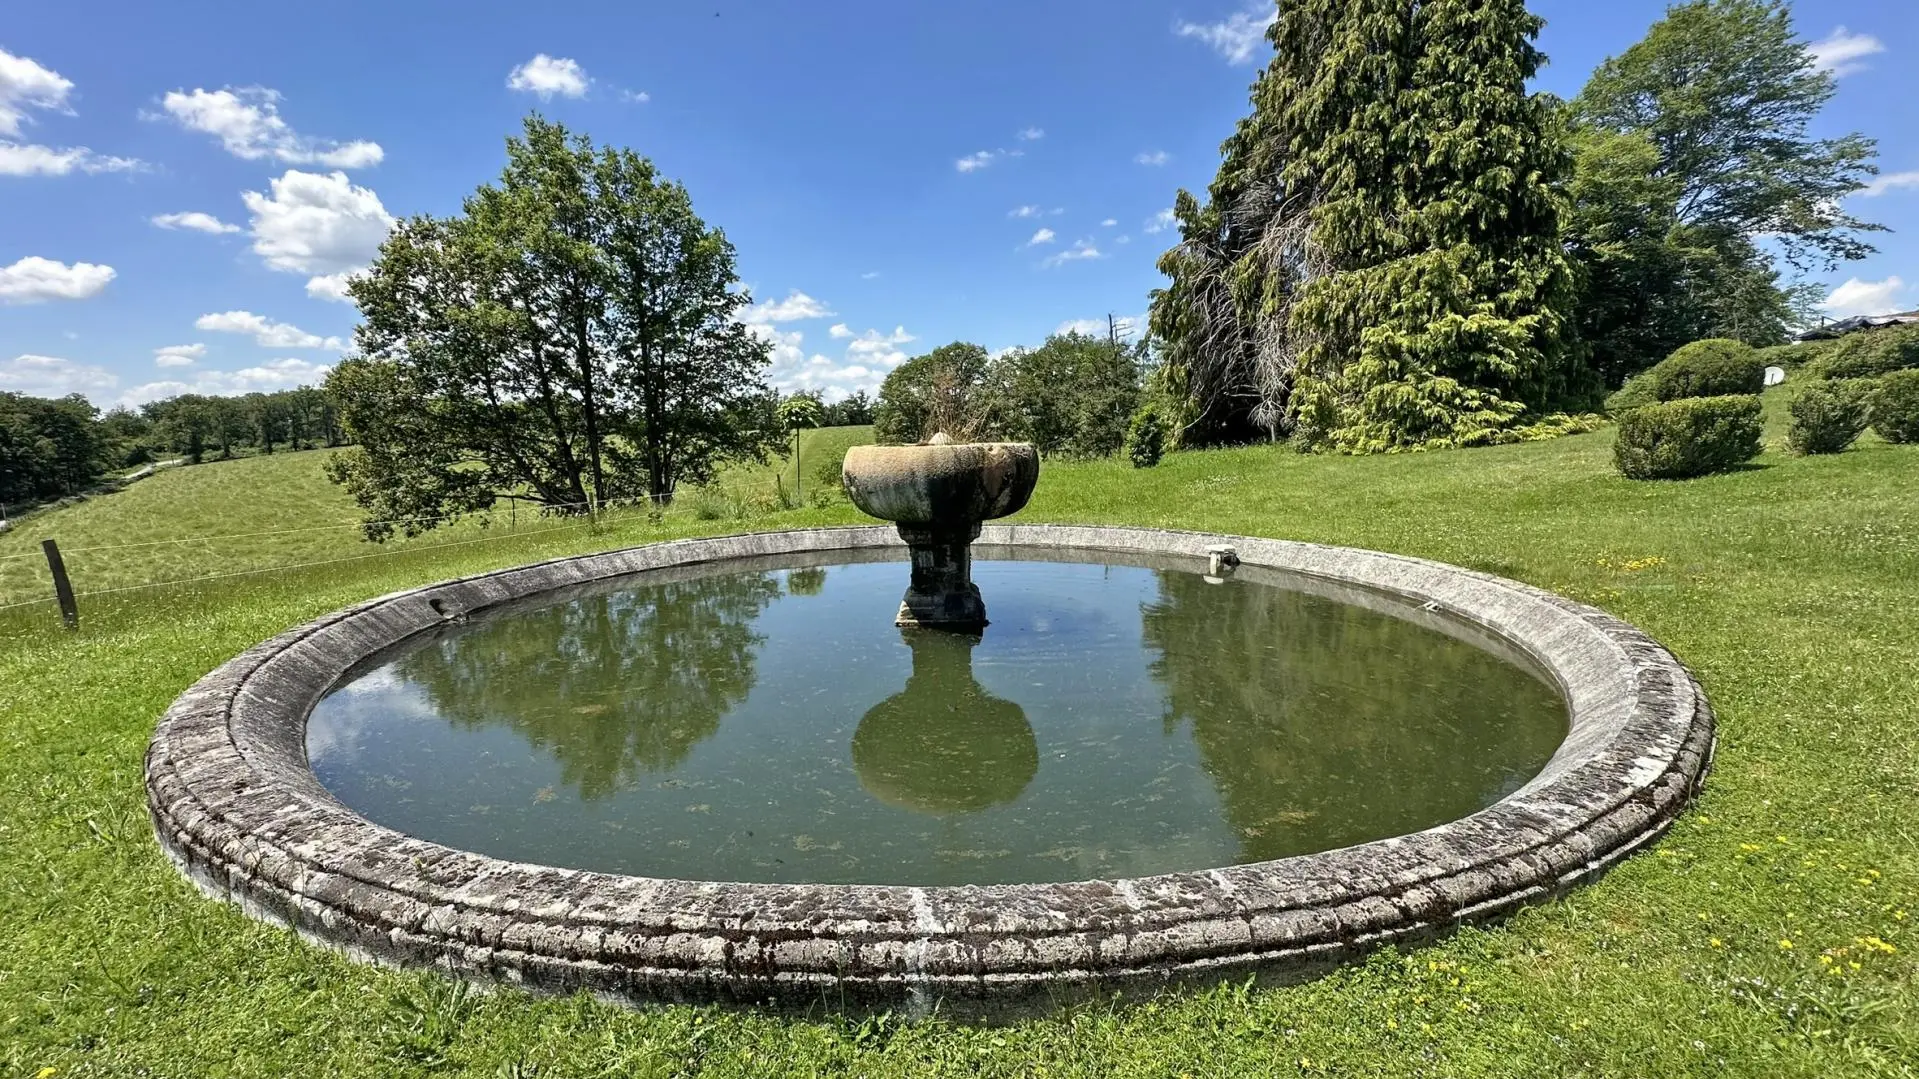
256	514
1769	934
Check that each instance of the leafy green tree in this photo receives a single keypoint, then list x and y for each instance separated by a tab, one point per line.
856	410
1222	323
1725	93
1689	146
49	448
185	423
941	391
1072	395
571	337
1379	259
1442	318
231	422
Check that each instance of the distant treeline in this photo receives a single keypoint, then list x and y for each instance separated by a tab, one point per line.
52	449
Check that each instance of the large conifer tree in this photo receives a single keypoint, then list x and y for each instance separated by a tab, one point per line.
1413	288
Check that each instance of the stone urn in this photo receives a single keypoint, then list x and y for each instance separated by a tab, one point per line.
938	493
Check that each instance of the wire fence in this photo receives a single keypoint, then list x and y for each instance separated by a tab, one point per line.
739	500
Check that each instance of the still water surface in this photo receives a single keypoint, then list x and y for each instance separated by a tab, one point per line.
772	725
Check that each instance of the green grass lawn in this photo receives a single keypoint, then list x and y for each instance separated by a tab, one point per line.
1769	934
255	514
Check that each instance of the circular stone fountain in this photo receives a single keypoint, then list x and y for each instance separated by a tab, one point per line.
971	739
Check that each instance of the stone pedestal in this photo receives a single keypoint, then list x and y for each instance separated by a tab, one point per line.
941	594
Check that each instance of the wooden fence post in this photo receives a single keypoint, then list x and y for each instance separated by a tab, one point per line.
62	588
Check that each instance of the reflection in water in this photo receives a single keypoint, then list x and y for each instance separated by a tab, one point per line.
1334	724
944	744
611	684
750	724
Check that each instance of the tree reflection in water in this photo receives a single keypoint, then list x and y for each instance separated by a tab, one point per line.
612	685
1324	724
943	744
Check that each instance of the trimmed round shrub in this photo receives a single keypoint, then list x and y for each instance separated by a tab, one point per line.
1794	356
1715	367
1146	437
1895	407
1871	353
1825	417
1636	392
1689	437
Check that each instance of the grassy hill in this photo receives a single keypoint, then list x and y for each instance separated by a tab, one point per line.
254	514
1770	933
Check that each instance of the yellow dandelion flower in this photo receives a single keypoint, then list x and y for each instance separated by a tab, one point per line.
1785	945
1716	942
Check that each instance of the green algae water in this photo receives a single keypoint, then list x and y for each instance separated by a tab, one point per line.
1121	716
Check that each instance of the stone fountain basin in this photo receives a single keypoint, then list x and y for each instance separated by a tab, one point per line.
236	806
956	484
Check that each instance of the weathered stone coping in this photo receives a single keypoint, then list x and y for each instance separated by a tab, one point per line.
236	807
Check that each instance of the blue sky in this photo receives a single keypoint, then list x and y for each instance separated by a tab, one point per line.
182	184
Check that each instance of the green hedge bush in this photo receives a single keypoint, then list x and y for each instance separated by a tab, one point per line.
1895	407
1146	437
1636	392
1689	437
1794	356
1715	367
1871	353
1825	417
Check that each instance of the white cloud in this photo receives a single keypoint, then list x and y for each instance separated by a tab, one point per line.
52	376
332	287
1082	249
316	224
1857	297
1159	222
975	161
1109	222
1153	157
548	75
876	348
266	333
178	355
1031	134
838	329
869	275
24	84
1840	52
1024	211
281	374
1043	236
17	159
1238	36
637	97
247	122
36	280
195	221
1887	181
797	305
869	356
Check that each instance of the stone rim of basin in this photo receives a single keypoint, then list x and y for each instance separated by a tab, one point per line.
237	807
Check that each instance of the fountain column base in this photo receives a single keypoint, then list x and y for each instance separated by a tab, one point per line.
942	594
